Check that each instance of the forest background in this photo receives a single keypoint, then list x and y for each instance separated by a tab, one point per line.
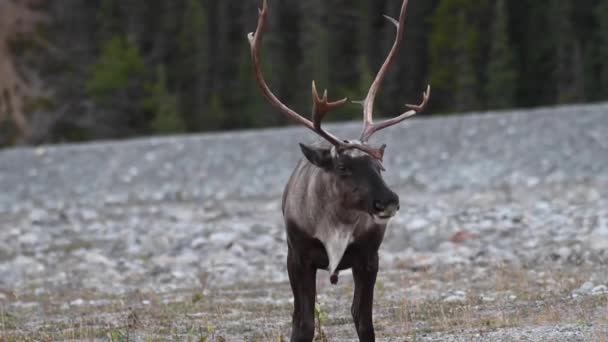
76	70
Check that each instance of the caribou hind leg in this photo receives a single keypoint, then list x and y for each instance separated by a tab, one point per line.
364	274
302	277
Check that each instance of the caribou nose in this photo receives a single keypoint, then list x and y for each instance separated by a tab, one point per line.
379	206
388	206
395	200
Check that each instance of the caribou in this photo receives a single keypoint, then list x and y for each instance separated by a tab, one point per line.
336	205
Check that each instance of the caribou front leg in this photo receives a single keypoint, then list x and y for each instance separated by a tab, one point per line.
364	274
302	277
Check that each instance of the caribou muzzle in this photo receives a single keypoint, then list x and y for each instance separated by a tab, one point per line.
387	206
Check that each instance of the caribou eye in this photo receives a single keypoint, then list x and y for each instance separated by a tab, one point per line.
343	170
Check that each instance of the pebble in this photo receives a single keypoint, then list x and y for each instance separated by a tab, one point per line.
585	289
417	223
600	289
456	297
77	302
38	216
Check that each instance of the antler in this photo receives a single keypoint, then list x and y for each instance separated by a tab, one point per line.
320	107
369	127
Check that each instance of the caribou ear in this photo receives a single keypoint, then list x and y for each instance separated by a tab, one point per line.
318	156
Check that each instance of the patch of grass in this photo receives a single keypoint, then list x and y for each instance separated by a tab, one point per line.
521	297
262	312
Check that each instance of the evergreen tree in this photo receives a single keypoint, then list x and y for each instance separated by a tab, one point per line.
164	106
466	85
537	53
191	68
501	71
248	94
119	67
601	14
108	19
117	84
343	48
454	54
569	71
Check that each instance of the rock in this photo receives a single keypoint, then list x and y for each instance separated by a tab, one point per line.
115	199
564	252
198	242
77	302
98	258
599	290
461	236
223	238
88	215
456	297
487	298
417	223
598	242
28	239
38	216
181	214
584	289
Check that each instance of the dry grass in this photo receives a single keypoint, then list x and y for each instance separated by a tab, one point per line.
505	297
508	297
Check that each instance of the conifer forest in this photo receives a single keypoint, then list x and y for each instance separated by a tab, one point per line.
76	70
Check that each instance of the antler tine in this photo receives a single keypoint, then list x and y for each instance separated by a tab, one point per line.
321	106
414	109
369	127
368	103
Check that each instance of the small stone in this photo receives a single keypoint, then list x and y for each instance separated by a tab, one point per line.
456	297
88	215
453	299
586	288
38	216
564	252
222	238
77	302
486	298
181	214
599	290
114	199
417	223
598	242
198	242
461	236
28	239
40	151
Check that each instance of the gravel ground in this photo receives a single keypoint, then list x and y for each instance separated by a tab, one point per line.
520	198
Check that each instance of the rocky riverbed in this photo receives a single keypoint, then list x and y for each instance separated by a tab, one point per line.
502	235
